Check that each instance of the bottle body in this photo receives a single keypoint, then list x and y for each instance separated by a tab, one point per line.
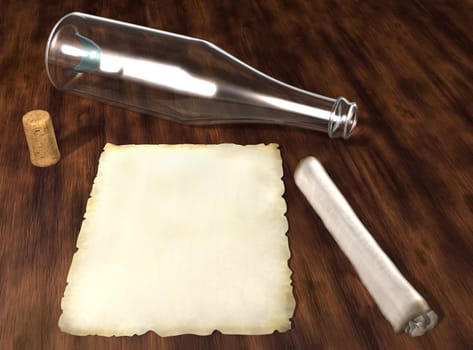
180	78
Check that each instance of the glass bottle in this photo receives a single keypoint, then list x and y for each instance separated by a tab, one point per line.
180	78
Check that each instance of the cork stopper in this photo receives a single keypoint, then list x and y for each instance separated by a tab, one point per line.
41	139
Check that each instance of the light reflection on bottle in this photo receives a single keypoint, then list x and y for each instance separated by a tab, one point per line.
150	72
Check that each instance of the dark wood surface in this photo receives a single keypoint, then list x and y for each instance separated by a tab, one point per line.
407	171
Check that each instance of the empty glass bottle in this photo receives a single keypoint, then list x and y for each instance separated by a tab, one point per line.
180	78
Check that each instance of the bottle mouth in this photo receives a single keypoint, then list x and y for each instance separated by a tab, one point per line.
343	118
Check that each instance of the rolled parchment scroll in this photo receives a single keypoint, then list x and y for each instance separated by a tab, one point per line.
398	301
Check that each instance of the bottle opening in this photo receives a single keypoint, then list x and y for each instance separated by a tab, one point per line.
343	118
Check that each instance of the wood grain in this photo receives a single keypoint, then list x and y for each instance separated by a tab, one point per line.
407	171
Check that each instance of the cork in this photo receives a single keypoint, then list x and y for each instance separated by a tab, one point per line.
41	139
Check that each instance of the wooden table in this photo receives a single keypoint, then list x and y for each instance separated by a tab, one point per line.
407	171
